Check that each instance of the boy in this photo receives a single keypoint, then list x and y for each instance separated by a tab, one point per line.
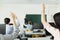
15	32
9	28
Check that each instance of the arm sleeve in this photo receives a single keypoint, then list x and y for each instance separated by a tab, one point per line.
17	23
50	29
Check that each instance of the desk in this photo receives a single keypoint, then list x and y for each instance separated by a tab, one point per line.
31	32
41	38
34	34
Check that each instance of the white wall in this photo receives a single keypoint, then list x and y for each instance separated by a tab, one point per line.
22	9
30	1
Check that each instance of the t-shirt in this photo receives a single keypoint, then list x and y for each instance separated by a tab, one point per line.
55	32
9	29
11	36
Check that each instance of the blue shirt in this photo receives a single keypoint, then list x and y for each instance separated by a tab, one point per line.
11	36
9	29
28	26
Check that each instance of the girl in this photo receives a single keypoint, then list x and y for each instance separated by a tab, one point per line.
55	31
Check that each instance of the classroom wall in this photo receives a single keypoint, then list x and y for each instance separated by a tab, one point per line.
22	9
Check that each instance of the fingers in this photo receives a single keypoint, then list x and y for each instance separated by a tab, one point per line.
12	15
43	7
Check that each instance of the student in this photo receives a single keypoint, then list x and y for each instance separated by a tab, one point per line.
29	25
15	32
9	28
55	31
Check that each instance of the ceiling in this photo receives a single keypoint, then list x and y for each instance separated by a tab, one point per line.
29	1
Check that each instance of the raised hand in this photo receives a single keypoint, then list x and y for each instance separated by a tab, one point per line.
43	14
43	8
12	15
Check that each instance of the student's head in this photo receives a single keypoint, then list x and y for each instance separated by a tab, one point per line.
7	20
57	19
29	22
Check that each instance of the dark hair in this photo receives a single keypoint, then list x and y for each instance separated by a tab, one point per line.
7	20
57	20
29	22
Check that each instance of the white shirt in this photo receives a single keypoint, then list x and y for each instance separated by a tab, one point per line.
11	36
9	29
55	32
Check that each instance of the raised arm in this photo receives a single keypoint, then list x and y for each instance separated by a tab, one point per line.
14	17
16	29
46	25
43	14
16	23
